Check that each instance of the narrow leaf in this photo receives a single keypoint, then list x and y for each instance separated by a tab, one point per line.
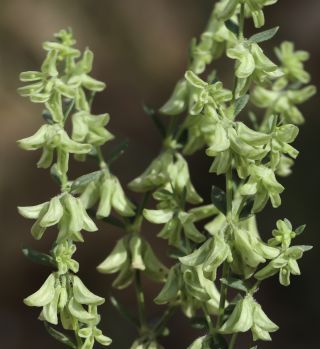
232	26
246	211
300	229
110	219
241	104
60	337
235	283
218	198
39	257
155	118
199	323
117	152
123	311
264	36
85	180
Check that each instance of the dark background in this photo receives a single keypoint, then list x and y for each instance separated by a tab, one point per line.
140	51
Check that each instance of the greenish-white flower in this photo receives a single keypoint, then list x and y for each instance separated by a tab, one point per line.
247	315
51	138
283	102
203	93
253	8
286	264
263	185
104	189
292	62
190	288
65	210
132	253
88	128
63	253
251	61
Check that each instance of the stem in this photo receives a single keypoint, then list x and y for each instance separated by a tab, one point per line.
140	301
229	194
223	294
208	319
102	163
233	341
241	22
167	315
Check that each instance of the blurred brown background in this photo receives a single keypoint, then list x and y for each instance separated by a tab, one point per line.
140	51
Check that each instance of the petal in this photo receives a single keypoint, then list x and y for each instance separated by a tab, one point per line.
31	212
82	295
44	295
158	216
115	260
53	214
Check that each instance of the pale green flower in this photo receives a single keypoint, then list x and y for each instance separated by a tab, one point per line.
105	189
263	184
251	61
63	253
155	175
236	140
88	128
283	102
52	138
283	234
286	264
132	253
176	221
292	62
247	315
210	255
190	288
66	211
52	297
92	334
203	93
253	8
249	251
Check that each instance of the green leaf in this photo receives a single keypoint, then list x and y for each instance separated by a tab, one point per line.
264	36
83	181
60	337
55	174
110	219
199	323
123	311
155	118
117	152
39	257
235	283
300	229
218	198
241	104
246	211
176	253
232	26
47	117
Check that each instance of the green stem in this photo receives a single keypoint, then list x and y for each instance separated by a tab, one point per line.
241	22
208	319
103	165
223	295
167	315
233	341
140	301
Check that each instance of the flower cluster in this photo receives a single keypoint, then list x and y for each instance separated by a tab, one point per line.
214	246
250	156
65	88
